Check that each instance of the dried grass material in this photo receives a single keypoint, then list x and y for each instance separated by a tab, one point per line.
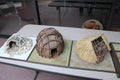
93	48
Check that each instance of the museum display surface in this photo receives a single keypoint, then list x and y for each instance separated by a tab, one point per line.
88	51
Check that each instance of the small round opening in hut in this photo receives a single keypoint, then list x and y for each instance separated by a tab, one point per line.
12	44
54	52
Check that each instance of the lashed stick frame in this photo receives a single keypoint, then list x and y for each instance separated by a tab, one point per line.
46	46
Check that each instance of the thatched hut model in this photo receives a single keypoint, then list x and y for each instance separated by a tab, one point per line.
18	45
49	43
93	48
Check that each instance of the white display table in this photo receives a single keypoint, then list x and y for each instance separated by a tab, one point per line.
69	34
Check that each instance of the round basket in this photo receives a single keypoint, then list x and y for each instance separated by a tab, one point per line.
92	24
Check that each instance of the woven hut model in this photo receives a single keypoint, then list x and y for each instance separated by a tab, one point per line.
49	43
17	44
92	48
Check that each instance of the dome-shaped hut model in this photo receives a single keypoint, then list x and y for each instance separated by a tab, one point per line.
49	43
93	48
18	44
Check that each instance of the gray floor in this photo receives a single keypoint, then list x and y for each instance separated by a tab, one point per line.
70	17
8	72
49	16
10	24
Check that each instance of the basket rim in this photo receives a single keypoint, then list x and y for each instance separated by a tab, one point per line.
101	26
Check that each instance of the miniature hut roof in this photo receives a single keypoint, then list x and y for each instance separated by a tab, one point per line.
85	50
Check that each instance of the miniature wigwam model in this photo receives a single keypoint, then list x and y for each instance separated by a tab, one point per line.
17	44
49	43
93	48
